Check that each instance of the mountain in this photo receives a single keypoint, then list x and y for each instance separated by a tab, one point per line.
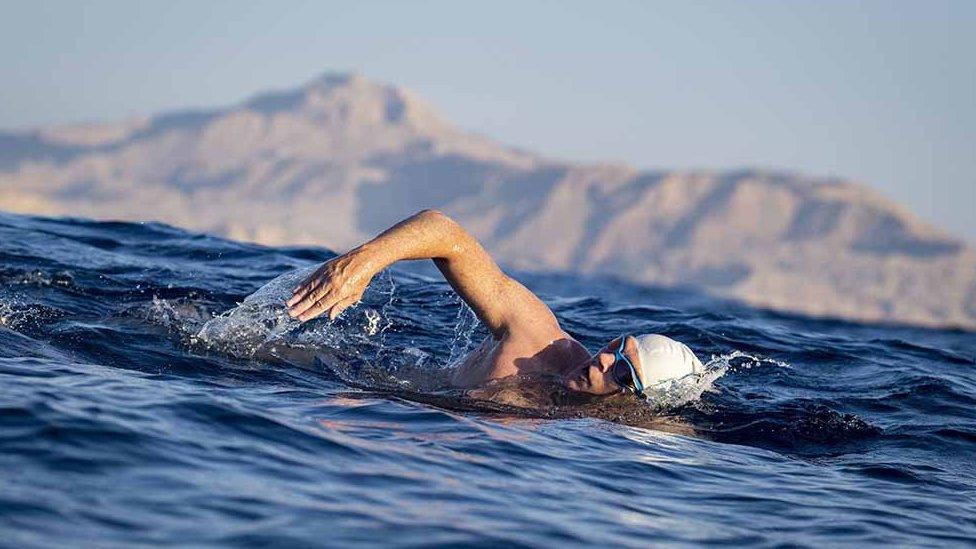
336	160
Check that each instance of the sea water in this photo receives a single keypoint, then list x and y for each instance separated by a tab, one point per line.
153	391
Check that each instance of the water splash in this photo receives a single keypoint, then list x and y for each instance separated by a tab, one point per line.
675	393
261	321
380	322
20	315
37	277
465	325
739	361
9	316
182	316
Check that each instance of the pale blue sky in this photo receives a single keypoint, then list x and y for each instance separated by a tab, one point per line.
880	92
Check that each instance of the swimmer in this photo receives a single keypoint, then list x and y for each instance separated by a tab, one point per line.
526	338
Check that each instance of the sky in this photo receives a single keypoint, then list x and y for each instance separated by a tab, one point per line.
882	93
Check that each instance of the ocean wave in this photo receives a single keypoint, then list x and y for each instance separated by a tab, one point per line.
154	390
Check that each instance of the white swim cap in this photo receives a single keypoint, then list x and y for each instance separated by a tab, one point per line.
663	359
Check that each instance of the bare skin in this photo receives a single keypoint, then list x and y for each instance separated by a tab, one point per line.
526	338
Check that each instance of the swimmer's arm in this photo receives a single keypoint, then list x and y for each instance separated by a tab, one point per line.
501	303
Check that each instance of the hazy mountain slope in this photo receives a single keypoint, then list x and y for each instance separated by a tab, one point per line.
336	160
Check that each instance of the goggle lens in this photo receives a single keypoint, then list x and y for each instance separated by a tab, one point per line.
622	375
623	372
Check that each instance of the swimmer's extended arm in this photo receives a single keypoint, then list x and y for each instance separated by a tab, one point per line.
501	302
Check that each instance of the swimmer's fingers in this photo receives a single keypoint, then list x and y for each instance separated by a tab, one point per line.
331	302
297	297
338	280
314	304
312	294
298	293
336	309
301	293
317	279
313	311
312	291
304	299
319	295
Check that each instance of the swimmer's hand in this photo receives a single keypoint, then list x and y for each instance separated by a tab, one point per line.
333	287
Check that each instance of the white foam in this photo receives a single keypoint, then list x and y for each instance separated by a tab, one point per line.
261	321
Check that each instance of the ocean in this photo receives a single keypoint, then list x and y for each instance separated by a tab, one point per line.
153	392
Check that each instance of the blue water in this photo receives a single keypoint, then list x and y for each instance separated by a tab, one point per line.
131	413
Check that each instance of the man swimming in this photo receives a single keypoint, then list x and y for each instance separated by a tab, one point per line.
526	338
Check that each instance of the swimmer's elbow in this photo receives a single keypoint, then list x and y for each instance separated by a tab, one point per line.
454	242
433	215
444	222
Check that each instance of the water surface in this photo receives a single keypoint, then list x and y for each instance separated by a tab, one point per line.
131	412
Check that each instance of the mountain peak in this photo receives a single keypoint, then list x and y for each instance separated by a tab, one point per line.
329	79
350	100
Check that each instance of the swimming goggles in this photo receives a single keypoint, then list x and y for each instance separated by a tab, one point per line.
623	371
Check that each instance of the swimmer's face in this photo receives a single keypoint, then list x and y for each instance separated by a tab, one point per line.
595	375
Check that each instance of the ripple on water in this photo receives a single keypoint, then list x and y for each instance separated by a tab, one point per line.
154	391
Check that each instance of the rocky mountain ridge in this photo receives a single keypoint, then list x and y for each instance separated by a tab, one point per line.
334	161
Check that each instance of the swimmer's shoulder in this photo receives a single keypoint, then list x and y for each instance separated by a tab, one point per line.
540	353
519	354
567	353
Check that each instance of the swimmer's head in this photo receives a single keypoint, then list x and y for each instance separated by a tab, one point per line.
652	358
